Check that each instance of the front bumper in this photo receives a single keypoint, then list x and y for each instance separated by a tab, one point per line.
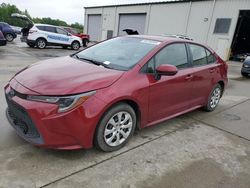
40	123
245	70
3	42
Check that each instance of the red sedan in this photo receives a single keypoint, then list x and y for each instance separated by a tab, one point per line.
100	95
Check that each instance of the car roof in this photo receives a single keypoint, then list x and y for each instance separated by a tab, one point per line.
160	38
4	23
46	25
167	39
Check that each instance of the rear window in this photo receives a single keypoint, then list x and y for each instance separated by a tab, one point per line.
50	29
40	28
199	55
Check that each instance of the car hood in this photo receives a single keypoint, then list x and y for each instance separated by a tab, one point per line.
65	76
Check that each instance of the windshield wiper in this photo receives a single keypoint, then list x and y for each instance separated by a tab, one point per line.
93	61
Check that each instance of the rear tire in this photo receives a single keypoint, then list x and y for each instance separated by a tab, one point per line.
115	128
214	98
75	45
9	37
41	43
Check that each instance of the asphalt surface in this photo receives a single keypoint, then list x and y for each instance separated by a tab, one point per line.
198	149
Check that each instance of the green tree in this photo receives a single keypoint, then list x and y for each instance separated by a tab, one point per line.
7	9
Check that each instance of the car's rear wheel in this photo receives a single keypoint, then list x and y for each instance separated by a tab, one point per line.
9	37
214	98
75	45
115	128
85	42
41	43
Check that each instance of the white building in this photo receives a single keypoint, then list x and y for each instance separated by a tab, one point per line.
224	25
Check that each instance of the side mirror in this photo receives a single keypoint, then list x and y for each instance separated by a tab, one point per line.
165	70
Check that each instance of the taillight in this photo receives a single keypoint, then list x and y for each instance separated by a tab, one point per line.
32	31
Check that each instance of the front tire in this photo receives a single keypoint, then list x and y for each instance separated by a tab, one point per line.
75	45
9	37
41	43
214	98
85	42
115	128
244	74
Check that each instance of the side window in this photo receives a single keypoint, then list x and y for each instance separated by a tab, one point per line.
50	29
174	54
60	31
41	28
210	57
199	55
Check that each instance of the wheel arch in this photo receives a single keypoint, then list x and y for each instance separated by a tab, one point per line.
42	38
222	84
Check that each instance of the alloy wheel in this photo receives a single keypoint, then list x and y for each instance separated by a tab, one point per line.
118	129
215	97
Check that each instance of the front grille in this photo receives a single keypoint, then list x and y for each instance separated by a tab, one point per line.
21	120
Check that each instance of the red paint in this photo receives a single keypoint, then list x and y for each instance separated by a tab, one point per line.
157	100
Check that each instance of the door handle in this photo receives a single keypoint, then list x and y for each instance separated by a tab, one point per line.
211	70
189	76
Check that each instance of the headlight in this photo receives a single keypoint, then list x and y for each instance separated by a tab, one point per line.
245	65
65	103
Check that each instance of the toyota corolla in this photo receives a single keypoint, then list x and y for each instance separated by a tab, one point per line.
99	96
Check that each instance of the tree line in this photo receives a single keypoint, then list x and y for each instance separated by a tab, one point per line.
7	9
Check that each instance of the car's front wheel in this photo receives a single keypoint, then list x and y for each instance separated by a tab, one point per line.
214	98
41	43
75	45
115	128
244	74
9	37
85	42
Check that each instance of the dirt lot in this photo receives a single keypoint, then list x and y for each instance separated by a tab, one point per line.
198	149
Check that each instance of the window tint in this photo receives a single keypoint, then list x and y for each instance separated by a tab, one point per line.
60	31
174	54
210	57
199	55
50	29
41	28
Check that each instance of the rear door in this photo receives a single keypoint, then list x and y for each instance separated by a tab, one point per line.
205	73
170	94
63	36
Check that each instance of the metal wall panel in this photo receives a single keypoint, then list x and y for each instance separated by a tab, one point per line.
94	27
132	21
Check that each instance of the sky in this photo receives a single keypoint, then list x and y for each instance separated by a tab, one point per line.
70	11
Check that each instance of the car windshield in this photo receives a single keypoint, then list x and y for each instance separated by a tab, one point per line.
120	53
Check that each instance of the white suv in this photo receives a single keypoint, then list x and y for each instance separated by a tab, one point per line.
42	35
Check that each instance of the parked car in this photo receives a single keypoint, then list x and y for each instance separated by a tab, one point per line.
17	30
2	39
99	96
84	37
42	35
7	31
245	70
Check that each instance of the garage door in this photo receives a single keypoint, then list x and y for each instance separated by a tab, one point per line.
132	21
94	27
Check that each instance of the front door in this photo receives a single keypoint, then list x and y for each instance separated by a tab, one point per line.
171	94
